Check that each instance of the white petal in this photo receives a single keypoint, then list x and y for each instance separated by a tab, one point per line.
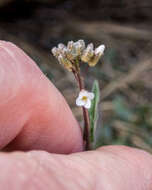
83	93
79	102
100	49
88	104
90	95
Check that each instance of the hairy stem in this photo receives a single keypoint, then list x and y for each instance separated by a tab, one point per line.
86	135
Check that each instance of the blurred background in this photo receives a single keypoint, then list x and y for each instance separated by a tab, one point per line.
124	73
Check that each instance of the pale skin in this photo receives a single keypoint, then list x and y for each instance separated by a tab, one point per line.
35	117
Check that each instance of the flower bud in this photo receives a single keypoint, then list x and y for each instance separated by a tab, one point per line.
70	55
98	53
88	53
70	45
94	61
100	50
82	44
61	46
79	47
55	52
65	62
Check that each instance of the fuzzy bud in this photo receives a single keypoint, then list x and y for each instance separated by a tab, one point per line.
65	62
88	53
98	53
82	44
100	50
55	52
61	46
79	47
70	45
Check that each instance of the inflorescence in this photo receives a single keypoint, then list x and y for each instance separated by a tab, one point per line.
76	52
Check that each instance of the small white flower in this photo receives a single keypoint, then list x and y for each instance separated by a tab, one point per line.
84	99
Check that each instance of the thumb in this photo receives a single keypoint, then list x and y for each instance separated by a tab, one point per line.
110	168
33	113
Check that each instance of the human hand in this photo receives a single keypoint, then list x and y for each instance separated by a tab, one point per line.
35	118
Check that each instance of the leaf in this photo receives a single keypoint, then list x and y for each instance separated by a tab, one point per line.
93	111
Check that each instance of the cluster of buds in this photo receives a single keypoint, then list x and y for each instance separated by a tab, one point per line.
77	51
92	56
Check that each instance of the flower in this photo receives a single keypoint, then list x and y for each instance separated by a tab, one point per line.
84	99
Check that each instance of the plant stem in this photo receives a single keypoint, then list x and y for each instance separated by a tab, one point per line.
86	135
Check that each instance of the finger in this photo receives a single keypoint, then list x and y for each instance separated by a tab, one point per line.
111	167
33	114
